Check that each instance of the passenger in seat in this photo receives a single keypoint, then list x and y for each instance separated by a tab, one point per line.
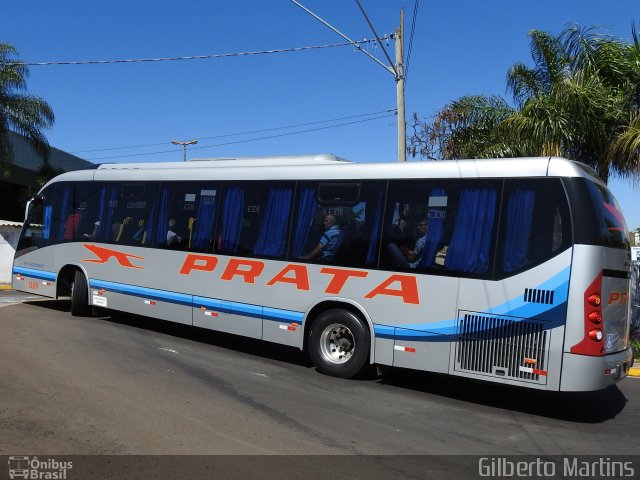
403	256
173	238
329	243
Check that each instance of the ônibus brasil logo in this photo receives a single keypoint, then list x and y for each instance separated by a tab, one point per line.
35	469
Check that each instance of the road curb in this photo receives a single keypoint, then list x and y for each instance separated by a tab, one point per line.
5	287
634	372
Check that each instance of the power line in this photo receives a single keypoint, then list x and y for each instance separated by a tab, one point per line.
251	139
393	66
196	57
413	28
241	133
351	42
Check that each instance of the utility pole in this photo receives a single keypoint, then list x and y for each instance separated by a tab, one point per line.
397	69
402	123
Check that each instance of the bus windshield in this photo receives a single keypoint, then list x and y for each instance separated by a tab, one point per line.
612	229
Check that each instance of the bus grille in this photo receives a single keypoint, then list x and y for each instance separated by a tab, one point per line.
502	347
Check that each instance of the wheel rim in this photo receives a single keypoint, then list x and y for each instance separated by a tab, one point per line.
337	343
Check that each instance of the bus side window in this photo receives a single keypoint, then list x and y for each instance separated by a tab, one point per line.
183	218
338	223
361	226
129	213
440	226
254	218
536	223
415	230
471	246
272	233
201	226
75	209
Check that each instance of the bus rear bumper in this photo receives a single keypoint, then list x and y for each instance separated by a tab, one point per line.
583	373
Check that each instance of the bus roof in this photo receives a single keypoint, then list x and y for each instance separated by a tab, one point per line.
315	167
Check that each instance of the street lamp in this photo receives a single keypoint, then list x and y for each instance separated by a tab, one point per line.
184	146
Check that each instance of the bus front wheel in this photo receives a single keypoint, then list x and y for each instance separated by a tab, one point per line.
80	295
339	343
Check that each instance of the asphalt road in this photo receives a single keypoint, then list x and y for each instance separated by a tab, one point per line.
123	384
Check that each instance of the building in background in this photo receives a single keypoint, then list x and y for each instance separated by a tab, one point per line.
16	189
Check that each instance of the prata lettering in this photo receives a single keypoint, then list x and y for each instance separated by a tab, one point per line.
404	287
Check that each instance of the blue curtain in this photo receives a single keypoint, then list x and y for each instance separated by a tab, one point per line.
103	201
471	241
162	224
205	221
518	231
304	220
273	230
435	223
232	219
46	230
375	231
66	210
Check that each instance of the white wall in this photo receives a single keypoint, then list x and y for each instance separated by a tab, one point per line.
8	241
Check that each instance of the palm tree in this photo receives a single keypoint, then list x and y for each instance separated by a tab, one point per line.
21	113
580	100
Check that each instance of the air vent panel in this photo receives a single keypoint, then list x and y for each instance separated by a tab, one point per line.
503	347
534	295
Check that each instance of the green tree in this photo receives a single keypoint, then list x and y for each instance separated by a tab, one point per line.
20	112
580	100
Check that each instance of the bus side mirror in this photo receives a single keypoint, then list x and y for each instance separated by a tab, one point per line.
36	200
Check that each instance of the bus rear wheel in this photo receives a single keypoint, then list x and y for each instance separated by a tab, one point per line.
339	343
80	295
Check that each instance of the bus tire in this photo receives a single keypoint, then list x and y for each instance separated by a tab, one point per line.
80	295
339	343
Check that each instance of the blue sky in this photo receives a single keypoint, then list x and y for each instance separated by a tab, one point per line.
460	47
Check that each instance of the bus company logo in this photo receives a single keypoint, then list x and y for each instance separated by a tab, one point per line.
35	469
618	297
105	254
249	271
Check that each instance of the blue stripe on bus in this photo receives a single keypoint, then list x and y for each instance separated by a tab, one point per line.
279	315
162	295
31	272
212	303
414	336
384	331
517	308
244	309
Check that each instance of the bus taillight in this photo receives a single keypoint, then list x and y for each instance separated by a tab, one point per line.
595	317
591	343
596	335
594	299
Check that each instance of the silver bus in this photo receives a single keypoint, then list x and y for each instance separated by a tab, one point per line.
513	270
